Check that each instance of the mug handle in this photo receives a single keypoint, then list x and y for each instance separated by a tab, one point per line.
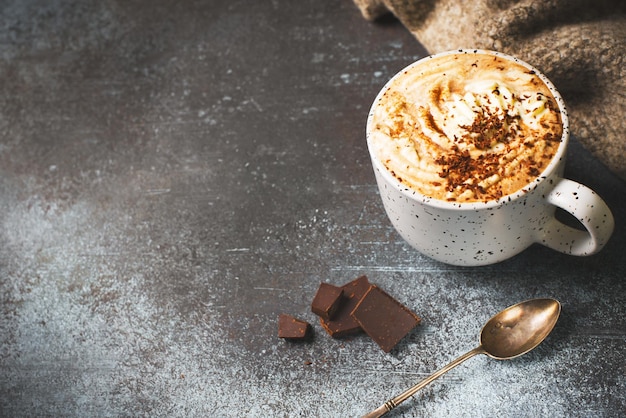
590	210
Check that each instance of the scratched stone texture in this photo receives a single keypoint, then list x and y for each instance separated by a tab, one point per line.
176	174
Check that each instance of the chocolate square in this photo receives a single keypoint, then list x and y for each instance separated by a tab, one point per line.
383	318
292	328
343	323
326	301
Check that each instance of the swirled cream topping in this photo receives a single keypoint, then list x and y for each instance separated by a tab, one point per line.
466	127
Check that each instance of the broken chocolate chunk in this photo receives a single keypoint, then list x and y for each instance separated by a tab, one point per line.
292	328
383	318
326	301
343	323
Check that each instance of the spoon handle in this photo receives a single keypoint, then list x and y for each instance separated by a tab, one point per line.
392	403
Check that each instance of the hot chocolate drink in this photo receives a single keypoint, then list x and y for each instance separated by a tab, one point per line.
468	153
466	127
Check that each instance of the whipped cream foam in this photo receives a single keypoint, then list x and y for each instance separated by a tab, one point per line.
465	127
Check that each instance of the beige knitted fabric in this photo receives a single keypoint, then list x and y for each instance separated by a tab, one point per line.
579	44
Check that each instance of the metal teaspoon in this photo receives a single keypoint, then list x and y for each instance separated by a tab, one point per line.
508	334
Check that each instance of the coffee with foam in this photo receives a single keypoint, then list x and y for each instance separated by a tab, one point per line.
465	127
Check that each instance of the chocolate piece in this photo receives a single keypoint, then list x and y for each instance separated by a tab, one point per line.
293	328
383	318
343	323
326	301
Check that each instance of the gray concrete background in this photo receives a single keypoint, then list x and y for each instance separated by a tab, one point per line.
173	175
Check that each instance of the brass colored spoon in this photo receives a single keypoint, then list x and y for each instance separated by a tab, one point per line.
511	333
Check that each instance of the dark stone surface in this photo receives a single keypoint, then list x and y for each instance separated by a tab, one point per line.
174	175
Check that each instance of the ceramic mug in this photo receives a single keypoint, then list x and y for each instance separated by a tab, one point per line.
487	232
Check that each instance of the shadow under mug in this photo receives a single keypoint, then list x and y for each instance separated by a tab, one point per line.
481	233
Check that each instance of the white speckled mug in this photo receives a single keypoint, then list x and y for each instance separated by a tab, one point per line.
490	231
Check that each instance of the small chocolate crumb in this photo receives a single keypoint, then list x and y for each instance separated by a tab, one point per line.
292	328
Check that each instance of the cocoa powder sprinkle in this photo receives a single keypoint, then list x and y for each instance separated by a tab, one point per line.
489	128
462	172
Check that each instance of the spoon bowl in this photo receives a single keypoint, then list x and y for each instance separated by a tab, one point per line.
519	328
508	334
